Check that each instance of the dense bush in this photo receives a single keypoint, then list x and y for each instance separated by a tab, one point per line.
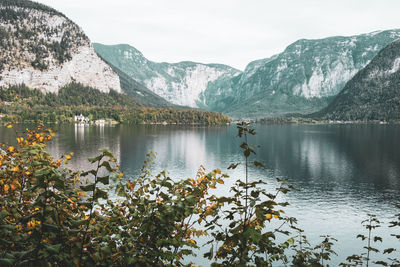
53	216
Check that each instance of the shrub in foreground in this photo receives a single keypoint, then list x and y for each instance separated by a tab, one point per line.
51	215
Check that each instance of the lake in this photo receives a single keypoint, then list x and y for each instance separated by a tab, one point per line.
342	172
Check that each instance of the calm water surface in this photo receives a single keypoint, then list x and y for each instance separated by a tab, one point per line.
342	172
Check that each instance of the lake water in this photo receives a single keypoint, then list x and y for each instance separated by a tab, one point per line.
343	172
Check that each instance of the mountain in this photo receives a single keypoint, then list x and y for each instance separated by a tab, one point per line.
141	93
373	93
43	49
180	83
304	78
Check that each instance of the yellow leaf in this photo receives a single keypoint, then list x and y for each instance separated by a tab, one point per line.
15	169
68	157
220	181
9	126
6	188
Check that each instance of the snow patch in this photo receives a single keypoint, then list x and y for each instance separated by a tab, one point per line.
395	66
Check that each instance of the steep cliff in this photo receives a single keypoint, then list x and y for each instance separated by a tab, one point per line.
43	49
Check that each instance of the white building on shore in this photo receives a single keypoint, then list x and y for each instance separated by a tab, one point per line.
81	119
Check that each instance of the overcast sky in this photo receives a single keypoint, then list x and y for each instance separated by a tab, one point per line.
232	32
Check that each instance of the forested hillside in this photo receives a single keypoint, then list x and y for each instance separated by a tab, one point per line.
373	94
21	104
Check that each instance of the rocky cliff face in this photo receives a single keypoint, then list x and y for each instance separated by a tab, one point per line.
180	83
43	49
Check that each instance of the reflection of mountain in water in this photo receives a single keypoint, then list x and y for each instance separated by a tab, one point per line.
180	150
359	153
350	164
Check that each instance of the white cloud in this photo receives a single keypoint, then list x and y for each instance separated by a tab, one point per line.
232	32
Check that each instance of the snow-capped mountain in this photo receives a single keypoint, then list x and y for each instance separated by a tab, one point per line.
180	83
43	49
373	93
302	79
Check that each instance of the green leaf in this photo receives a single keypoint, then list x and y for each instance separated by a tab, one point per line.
8	227
107	165
389	250
87	188
93	160
6	262
100	194
255	194
50	227
105	180
120	190
106	250
210	254
107	153
255	235
55	249
59	184
233	166
5	242
3	214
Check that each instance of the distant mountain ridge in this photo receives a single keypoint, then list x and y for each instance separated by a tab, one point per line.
180	83
373	93
305	77
43	49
